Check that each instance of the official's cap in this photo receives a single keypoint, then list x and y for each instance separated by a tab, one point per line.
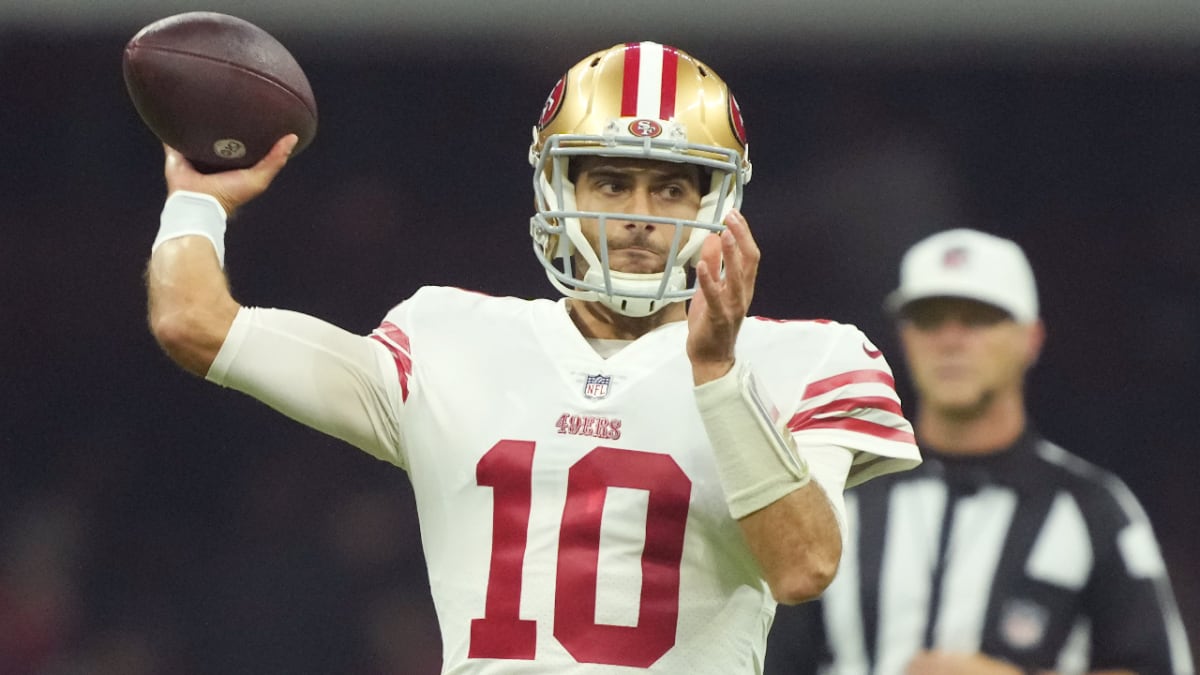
964	263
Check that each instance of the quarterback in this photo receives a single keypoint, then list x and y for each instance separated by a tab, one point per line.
650	469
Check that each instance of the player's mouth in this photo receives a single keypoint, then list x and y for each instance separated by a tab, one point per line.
636	259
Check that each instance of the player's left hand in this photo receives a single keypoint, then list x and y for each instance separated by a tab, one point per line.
950	663
720	304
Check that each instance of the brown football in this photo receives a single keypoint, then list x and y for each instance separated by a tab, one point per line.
218	89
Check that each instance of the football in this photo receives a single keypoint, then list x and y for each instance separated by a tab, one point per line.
218	89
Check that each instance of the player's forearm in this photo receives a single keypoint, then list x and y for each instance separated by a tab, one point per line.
190	307
797	542
789	524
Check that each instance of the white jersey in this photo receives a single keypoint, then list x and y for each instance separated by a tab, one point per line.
570	510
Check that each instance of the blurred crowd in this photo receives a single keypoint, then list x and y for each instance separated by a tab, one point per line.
151	524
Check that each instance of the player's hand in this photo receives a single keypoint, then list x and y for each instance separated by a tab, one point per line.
950	663
231	188
720	304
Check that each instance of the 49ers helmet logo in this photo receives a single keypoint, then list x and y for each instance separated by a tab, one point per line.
645	128
735	120
553	103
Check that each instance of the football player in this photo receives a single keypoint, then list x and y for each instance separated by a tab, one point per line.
628	477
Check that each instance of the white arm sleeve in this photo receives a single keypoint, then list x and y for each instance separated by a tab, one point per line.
316	373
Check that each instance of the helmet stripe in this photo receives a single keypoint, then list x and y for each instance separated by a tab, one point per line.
670	75
650	78
629	87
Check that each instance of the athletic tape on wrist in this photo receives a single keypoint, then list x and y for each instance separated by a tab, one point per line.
757	459
192	213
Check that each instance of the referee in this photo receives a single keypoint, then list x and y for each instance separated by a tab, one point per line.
1002	553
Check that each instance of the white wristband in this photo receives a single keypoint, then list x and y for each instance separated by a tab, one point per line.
192	213
757	459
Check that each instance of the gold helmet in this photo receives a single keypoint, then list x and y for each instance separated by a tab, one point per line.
637	99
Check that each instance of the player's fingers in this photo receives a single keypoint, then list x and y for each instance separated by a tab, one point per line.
747	258
710	286
733	260
173	159
278	156
739	274
285	145
708	270
259	176
178	171
740	227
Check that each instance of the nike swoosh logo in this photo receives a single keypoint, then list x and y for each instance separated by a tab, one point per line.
873	353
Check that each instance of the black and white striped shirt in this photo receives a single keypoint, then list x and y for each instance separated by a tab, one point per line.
1031	555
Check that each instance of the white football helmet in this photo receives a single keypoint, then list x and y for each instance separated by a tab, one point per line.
638	99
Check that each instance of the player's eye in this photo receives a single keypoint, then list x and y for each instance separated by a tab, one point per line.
676	190
607	184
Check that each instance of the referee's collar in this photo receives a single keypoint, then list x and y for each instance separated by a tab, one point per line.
1011	466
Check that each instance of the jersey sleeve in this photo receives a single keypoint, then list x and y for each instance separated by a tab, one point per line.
850	401
316	373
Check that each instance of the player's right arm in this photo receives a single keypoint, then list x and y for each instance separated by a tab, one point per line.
308	369
190	306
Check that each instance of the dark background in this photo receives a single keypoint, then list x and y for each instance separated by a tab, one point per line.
152	523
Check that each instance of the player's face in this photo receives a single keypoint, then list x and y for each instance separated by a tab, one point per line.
962	355
636	186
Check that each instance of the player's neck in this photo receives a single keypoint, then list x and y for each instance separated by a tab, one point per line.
595	320
989	430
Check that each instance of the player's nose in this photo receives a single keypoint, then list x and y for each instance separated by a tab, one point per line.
641	203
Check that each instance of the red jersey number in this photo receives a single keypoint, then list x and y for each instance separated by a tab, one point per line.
501	634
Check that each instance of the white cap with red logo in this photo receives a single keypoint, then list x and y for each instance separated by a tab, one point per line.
964	263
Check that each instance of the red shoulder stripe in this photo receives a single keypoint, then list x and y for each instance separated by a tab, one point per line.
802	418
870	376
863	427
396	341
829	413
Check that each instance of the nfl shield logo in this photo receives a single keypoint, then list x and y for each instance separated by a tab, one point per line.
954	257
1023	623
596	386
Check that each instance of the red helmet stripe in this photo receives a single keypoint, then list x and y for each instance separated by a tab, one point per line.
650	80
629	88
670	76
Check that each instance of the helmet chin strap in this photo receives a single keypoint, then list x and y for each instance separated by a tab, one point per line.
708	208
626	285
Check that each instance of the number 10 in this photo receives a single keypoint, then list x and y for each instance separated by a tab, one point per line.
501	634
